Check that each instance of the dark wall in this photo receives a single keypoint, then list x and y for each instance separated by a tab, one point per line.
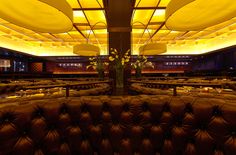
21	62
221	60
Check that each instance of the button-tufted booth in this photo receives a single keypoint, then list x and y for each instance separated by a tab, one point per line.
137	125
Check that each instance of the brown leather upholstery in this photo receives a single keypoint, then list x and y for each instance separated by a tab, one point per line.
142	125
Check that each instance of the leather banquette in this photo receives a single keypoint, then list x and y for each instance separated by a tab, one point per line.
132	125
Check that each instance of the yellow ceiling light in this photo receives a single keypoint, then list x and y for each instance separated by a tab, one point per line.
164	3
78	14
152	49
86	50
159	12
195	15
54	16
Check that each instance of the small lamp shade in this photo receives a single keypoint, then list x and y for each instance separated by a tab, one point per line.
86	50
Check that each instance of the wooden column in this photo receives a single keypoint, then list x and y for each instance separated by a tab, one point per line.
118	14
121	42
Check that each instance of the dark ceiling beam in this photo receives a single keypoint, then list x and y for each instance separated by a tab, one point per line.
156	31
81	24
105	4
91	27
180	36
148	22
133	2
87	9
148	8
56	37
133	10
118	12
104	11
70	36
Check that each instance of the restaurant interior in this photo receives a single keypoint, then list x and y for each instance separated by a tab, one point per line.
117	77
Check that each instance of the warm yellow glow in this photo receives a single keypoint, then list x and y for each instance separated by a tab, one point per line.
137	31
159	12
164	3
53	16
103	49
91	3
190	15
61	44
146	3
89	32
79	17
152	49
142	16
73	3
161	33
159	16
4	30
100	31
95	17
78	14
148	31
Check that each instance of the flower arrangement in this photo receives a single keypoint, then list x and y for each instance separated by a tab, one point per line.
119	59
141	63
97	64
119	62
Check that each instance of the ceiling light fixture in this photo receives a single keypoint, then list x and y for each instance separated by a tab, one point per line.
87	49
49	16
195	15
152	49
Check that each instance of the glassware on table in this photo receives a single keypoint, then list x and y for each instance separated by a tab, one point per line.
60	90
219	90
21	92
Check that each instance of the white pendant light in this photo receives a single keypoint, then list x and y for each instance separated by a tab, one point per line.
152	49
86	50
195	15
52	16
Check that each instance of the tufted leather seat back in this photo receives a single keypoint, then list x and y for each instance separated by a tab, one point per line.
142	125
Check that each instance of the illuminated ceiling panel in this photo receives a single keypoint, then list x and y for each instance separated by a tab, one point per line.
148	25
79	17
91	3
153	22
89	21
159	15
146	3
96	17
142	16
164	3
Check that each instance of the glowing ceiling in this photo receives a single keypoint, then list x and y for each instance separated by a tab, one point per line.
148	25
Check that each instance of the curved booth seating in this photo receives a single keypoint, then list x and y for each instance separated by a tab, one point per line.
139	88
8	88
102	125
98	89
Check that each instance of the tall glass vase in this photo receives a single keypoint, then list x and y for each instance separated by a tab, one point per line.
119	77
100	74
138	72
